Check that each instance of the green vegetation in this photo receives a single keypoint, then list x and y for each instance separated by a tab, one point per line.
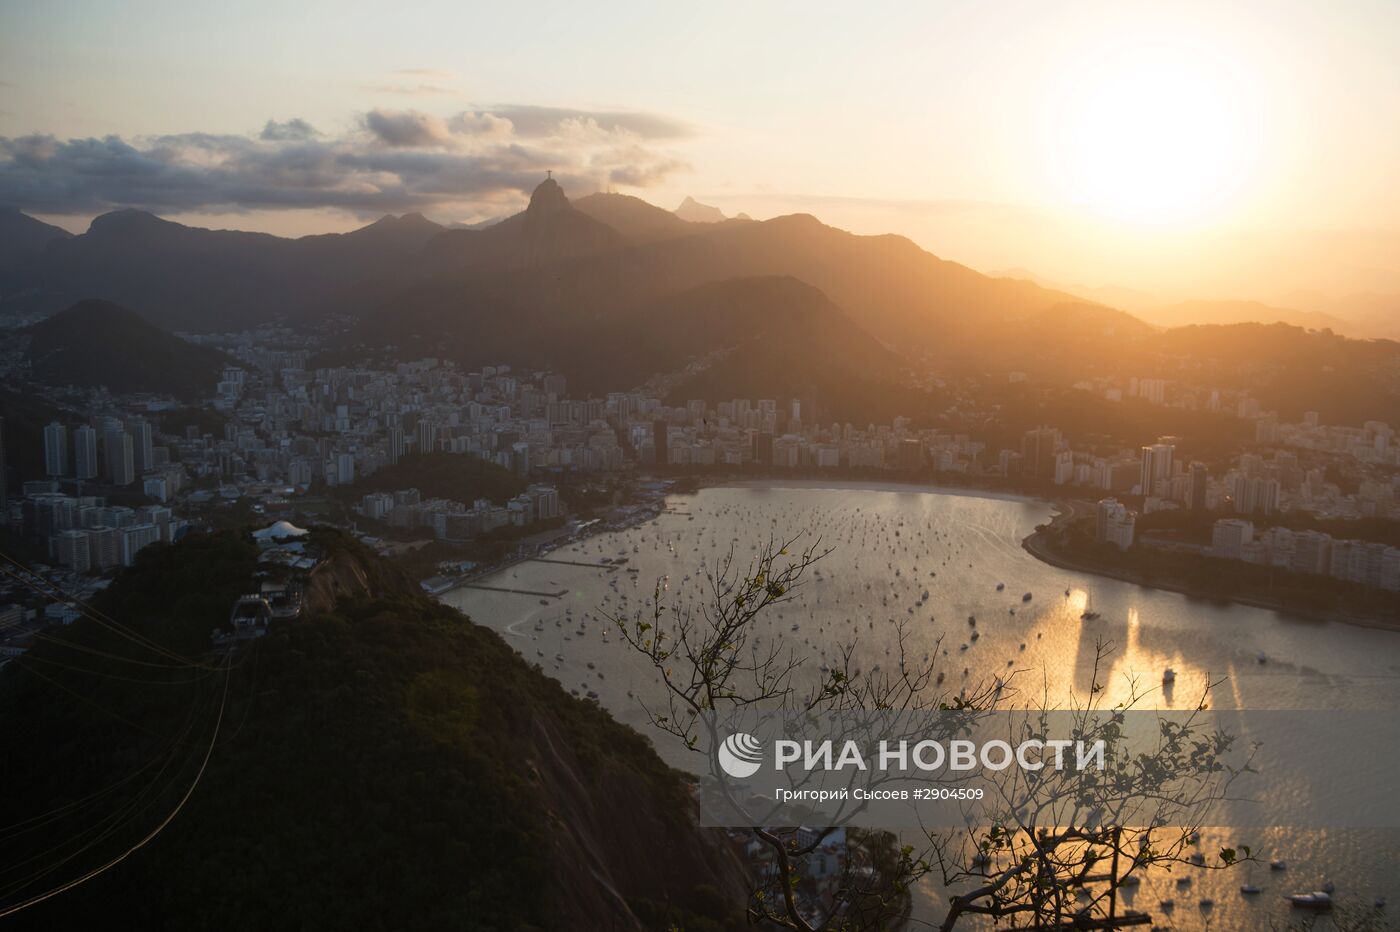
1196	525
1208	577
25	416
381	764
461	478
203	420
97	343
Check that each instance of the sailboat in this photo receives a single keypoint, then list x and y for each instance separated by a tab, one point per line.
1089	614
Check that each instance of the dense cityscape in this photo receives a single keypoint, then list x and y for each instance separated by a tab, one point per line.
118	481
699	468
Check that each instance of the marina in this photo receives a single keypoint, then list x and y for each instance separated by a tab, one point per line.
933	560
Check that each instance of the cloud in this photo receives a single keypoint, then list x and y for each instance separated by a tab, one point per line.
543	121
438	73
645	176
295	129
390	161
408	128
410	90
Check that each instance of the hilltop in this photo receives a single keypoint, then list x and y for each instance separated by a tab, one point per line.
440	475
22	240
188	278
97	343
570	283
382	763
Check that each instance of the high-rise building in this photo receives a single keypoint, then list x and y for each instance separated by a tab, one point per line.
104	547
1200	481
1114	523
1038	448
142	444
910	455
1153	391
117	449
661	441
85	453
1064	467
1256	495
344	468
1229	536
1156	467
72	550
134	539
395	444
545	501
56	450
427	436
1312	552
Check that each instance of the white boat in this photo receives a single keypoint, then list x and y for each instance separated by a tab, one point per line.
1249	889
1318	899
1278	864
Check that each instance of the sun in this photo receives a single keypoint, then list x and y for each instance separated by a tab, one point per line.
1155	134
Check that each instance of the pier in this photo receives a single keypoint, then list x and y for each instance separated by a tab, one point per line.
548	595
592	566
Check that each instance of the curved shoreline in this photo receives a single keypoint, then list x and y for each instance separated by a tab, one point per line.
1036	546
876	485
1062	511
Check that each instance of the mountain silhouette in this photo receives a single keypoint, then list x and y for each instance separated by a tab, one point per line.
696	212
189	278
22	239
566	284
97	343
633	217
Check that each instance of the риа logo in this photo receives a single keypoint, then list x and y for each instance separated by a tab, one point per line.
740	755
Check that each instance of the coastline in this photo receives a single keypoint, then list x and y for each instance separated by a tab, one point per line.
1037	546
879	485
648	509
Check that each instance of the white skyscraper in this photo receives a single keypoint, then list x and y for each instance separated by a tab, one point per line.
1156	466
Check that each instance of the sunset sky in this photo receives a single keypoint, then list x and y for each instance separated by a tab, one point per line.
1241	150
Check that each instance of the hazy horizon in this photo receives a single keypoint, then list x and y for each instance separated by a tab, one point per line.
1191	152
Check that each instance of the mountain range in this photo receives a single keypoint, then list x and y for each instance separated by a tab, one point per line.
188	278
1357	315
22	240
617	292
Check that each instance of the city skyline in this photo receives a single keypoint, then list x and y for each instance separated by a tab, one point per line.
448	452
